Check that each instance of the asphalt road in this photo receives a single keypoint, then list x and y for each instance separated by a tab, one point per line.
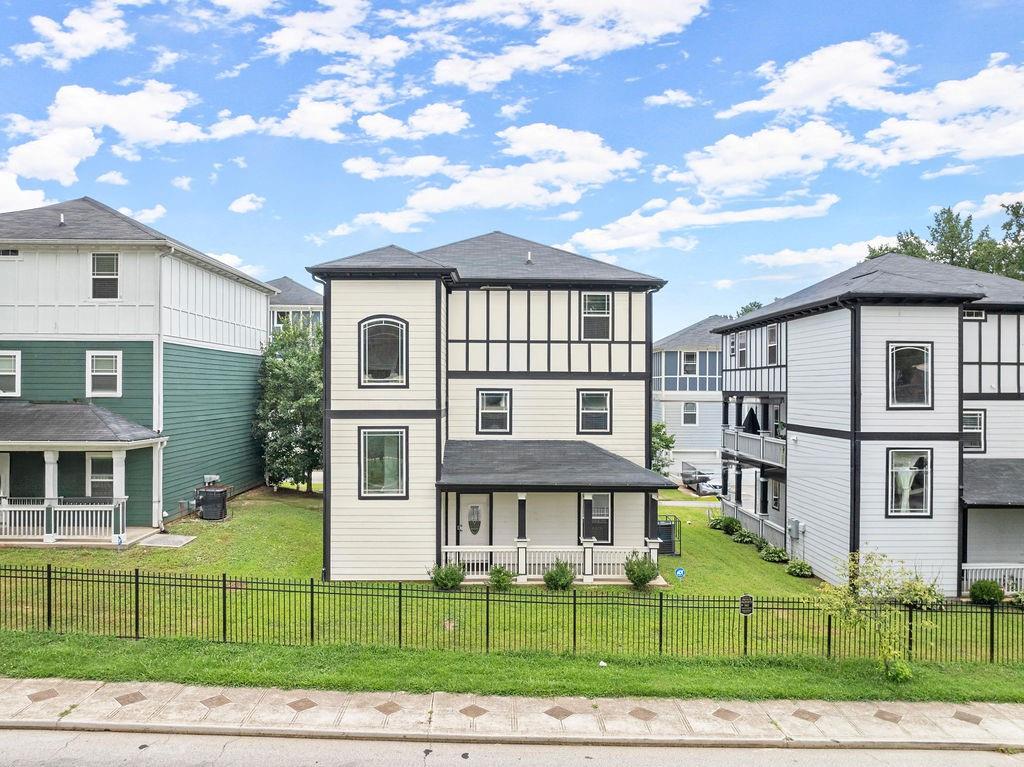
19	748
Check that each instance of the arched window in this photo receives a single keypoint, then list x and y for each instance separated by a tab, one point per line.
383	351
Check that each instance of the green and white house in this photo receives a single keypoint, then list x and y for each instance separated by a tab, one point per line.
128	373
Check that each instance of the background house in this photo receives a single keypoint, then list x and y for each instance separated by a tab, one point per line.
294	303
128	371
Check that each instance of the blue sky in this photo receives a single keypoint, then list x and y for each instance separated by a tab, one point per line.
740	150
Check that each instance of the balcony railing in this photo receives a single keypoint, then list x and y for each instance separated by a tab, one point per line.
1008	575
758	524
56	519
759	447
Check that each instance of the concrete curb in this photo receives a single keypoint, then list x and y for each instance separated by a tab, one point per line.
536	740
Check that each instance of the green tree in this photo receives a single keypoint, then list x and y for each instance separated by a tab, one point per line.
289	416
662	444
749	307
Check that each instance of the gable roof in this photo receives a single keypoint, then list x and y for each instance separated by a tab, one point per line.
699	335
22	421
89	220
897	277
293	294
495	257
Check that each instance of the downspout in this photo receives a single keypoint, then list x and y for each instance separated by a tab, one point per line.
854	424
158	397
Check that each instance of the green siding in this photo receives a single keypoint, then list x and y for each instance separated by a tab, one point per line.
138	486
71	475
27	475
209	402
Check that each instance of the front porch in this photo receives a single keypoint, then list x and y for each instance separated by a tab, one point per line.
992	525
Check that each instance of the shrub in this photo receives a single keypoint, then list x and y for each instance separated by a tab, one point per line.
744	536
560	576
715	522
758	542
918	593
986	592
1017	599
799	569
501	578
447	577
774	554
898	671
731	525
640	570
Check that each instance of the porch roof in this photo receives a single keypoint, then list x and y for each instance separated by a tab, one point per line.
994	482
67	422
541	464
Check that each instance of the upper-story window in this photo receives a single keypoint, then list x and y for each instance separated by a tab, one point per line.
687	371
303	317
772	333
105	275
10	373
8	253
597	316
910	375
689	414
689	363
741	349
974	314
973	428
732	350
103	374
594	411
494	411
383	351
910	483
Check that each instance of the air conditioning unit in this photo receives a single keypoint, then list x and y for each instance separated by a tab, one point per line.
211	479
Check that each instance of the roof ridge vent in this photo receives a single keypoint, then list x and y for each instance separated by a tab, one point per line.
529	257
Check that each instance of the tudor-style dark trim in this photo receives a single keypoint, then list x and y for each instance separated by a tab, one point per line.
359	464
648	376
359	353
984	428
325	571
568	487
387	415
579	411
961	527
888	375
458	519
440	297
993	396
931	481
378	273
493	390
876	436
539	374
855	424
490	520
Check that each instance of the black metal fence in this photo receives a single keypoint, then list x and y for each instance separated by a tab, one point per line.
138	605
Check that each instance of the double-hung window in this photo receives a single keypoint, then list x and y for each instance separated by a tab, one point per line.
383	469
910	375
600	517
103	374
689	363
973	427
383	351
99	475
105	275
10	373
494	411
689	416
741	349
597	316
772	333
594	411
910	482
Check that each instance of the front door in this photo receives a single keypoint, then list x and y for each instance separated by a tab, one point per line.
475	530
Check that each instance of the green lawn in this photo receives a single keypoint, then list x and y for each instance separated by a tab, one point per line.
683	494
353	668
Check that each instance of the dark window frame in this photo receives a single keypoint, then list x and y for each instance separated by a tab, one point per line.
611	516
360	474
360	355
479	397
889	359
930	489
983	431
579	410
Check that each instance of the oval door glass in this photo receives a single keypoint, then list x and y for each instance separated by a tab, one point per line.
474	519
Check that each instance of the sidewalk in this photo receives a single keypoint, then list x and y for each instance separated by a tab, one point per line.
56	704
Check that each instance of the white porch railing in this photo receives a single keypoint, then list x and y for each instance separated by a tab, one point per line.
1008	575
63	519
478	560
607	561
540	559
760	447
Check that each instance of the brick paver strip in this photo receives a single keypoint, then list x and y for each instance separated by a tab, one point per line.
38	697
216	701
302	704
888	716
473	711
559	712
807	716
726	714
967	716
388	708
643	714
128	698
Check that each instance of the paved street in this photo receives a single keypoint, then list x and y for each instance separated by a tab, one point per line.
60	749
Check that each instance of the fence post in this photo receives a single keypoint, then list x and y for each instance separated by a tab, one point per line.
746	627
137	634
910	633
991	633
399	613
224	607
828	641
312	614
661	622
487	618
574	621
49	597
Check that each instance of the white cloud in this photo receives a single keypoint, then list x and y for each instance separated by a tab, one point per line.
312	119
420	166
240	162
557	33
990	205
606	257
842	255
165	59
430	120
146	215
397	221
949	170
184	183
237	262
728	283
240	8
515	109
648	226
569	215
114	177
232	72
83	32
13	197
675	98
247	203
54	156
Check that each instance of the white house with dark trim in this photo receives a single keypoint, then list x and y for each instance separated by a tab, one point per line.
488	402
687	387
882	410
294	303
128	372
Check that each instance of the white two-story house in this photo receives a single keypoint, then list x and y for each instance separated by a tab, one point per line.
688	395
488	402
881	410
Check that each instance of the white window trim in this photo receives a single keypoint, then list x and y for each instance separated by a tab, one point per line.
402	492
16	353
89	475
974	315
584	314
682	414
891	484
696	365
93	276
88	373
770	344
607	411
981	431
741	362
507	394
895	346
594	517
403	352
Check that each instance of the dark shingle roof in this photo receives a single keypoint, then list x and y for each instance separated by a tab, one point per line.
699	335
294	294
66	422
496	256
994	482
896	276
533	463
89	220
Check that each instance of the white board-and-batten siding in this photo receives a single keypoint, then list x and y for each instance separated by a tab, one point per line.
757	375
818	371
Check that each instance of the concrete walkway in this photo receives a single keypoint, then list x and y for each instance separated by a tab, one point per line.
152	707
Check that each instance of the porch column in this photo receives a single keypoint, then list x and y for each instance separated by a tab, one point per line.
587	539
652	545
764	416
739	413
50	458
118	523
762	501
588	560
521	540
738	494
725	468
588	517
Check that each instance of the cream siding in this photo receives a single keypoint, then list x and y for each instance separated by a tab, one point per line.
818	389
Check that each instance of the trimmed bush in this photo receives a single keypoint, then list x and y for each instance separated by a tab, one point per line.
640	570
744	536
799	569
731	525
774	554
759	542
501	578
560	576
715	522
447	577
986	592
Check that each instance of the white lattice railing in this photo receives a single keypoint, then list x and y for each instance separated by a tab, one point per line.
71	519
1008	575
478	560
